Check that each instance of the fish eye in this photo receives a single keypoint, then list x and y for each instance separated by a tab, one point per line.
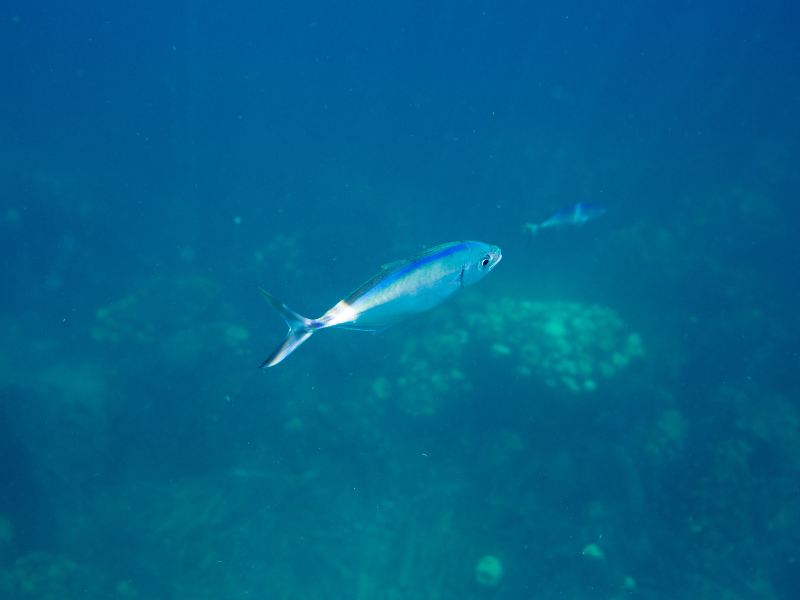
485	261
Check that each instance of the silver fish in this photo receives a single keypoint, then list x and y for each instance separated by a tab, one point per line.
400	289
578	214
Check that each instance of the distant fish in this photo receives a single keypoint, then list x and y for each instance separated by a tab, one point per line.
401	289
578	214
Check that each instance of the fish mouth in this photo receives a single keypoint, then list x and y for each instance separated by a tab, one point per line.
497	256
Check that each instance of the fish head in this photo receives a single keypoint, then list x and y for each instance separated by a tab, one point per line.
586	211
479	258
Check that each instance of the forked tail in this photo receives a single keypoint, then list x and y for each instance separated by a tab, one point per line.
300	329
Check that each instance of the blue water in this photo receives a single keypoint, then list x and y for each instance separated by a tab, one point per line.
613	412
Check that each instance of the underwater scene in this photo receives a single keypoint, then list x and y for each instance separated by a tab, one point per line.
556	245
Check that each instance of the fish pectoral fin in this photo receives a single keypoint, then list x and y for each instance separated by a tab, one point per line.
357	328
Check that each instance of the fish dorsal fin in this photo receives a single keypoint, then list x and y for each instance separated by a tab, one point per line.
393	265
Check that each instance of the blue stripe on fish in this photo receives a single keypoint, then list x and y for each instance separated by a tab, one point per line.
388	277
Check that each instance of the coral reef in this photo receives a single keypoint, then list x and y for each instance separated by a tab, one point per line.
181	322
43	576
569	346
489	571
288	247
430	373
467	438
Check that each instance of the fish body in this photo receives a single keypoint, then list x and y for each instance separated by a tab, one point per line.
572	216
400	289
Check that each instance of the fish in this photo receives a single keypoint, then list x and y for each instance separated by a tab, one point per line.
401	289
575	215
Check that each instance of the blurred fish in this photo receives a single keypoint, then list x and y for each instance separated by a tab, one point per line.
400	289
578	214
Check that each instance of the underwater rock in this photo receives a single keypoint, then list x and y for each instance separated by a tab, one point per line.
180	321
11	217
54	426
593	551
236	335
669	437
489	571
288	247
161	306
43	576
76	384
497	349
6	535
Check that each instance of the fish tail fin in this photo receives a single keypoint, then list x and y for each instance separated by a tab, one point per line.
300	329
533	228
